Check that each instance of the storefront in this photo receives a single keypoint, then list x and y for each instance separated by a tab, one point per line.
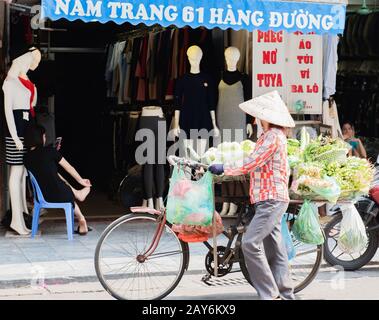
105	60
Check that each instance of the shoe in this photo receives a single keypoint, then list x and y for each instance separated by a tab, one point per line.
82	233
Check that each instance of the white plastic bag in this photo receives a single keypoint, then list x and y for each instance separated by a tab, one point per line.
353	237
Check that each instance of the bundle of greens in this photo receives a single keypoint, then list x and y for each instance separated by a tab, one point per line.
354	176
293	147
322	145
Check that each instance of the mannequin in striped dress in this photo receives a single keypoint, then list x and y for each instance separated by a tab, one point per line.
19	99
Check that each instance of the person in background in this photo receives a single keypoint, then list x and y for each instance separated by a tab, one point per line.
43	163
262	244
357	148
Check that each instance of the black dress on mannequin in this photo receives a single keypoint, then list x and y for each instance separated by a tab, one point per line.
195	97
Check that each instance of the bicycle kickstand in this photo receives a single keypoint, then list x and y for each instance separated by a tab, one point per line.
206	279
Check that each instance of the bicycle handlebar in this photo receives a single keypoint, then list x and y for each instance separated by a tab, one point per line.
173	160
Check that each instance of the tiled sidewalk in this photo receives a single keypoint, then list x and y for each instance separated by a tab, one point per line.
52	256
50	253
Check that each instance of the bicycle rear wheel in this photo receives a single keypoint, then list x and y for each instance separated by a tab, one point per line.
119	267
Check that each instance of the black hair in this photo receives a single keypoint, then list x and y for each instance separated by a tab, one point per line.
34	136
21	50
350	124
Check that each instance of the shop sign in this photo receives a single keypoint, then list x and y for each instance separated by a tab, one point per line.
242	14
292	65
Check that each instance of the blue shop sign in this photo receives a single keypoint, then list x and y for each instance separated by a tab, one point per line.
236	14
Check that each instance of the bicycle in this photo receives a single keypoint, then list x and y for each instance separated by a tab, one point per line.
139	256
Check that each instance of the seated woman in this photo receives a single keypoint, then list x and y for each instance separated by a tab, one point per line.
43	163
358	150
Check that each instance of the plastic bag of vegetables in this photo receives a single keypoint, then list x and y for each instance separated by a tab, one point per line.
210	156
230	153
325	188
190	202
353	237
330	190
306	227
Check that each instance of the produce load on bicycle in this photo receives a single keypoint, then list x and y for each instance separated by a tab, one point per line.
324	172
320	168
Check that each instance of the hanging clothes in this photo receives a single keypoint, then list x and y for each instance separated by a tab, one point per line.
150	66
240	39
330	64
183	62
219	47
330	118
173	65
128	59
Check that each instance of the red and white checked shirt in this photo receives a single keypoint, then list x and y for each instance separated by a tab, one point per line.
268	168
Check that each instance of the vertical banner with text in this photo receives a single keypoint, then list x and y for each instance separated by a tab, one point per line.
304	73
269	62
292	65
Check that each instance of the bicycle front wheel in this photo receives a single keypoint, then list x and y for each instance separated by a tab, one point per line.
124	274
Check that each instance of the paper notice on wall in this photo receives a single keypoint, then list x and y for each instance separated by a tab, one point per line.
269	63
304	74
292	65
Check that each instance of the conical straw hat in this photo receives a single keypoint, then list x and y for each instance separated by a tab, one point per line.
269	107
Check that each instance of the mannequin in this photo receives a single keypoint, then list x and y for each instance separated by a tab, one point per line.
233	90
194	95
20	96
153	171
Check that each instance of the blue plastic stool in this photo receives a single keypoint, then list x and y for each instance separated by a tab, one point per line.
40	203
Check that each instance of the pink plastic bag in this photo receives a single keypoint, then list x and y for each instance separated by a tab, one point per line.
191	233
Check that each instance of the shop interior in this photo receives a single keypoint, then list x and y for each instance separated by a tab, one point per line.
85	97
95	78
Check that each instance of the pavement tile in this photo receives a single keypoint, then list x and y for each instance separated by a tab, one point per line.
13	258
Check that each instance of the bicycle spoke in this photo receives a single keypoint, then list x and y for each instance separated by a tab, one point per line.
336	245
120	271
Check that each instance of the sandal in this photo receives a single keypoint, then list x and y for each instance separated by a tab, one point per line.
82	233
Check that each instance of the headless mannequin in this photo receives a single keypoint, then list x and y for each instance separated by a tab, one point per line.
230	77
194	54
153	111
17	176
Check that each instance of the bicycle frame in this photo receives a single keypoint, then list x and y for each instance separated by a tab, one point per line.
162	222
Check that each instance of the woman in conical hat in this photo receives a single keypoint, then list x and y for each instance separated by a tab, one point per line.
269	174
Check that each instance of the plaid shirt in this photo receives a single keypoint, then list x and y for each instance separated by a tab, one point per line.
268	168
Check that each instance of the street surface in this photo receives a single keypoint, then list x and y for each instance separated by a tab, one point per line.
51	268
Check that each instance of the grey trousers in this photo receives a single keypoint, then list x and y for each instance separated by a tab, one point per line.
265	252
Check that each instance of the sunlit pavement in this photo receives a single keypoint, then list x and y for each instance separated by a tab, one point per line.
50	267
